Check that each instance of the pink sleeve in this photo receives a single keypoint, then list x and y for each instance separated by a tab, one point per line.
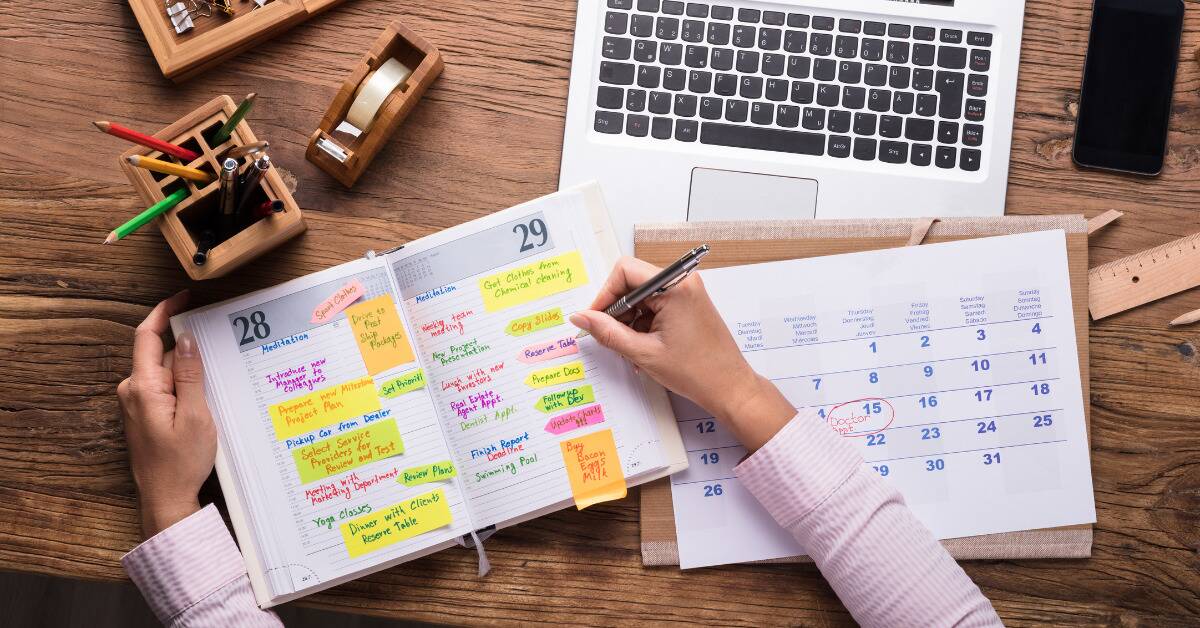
884	565
192	574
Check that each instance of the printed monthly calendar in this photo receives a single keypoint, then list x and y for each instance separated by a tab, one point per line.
953	368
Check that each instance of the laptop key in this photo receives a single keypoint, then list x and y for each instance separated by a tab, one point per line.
797	20
981	60
897	52
773	18
648	6
645	51
641	26
616	23
666	28
893	152
649	76
695	57
802	92
864	123
969	160
795	41
772	64
946	157
926	105
839	121
699	82
839	146
637	125
711	108
846	46
787	116
899	31
890	126
693	31
722	58
924	33
799	67
616	73
769	38
749	15
722	13
864	148
610	97
695	9
760	138
874	28
898	78
718	33
902	102
879	100
924	54
918	130
854	97
975	110
747	62
972	135
672	7
976	38
822	23
726	84
620	4
609	122
687	130
674	79
685	105
743	36
947	132
777	90
921	155
922	79
850	72
736	110
876	75
616	48
660	129
670	54
762	113
952	57
820	44
824	69
848	25
872	49
828	95
635	99
950	88
813	119
951	36
660	102
751	87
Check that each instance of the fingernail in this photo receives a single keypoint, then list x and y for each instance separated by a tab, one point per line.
581	321
185	345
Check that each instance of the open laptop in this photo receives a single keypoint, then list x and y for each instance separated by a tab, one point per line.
734	110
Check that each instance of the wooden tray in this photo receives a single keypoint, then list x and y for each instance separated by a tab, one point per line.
182	224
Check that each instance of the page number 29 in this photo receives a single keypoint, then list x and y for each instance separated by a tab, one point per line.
253	328
530	232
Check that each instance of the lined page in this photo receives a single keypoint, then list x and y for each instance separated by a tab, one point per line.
489	302
952	367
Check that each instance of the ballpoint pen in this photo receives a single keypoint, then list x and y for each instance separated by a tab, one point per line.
658	284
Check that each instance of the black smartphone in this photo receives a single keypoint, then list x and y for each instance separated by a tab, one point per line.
1128	78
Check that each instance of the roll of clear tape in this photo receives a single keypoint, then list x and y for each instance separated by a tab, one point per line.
374	90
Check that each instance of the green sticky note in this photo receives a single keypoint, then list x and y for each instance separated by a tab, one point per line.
402	384
435	472
563	399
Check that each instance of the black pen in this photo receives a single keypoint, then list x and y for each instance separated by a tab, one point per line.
658	284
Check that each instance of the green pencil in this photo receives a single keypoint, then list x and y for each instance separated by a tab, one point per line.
226	129
151	213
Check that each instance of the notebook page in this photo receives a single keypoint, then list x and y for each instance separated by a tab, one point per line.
321	428
506	373
952	367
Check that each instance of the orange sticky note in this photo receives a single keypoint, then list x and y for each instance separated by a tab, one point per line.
593	468
379	334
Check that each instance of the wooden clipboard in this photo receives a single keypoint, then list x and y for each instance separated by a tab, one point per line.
735	243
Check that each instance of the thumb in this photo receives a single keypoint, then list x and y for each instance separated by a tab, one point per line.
189	377
611	333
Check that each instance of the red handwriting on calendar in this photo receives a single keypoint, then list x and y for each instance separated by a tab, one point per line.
347	487
861	417
474	379
450	325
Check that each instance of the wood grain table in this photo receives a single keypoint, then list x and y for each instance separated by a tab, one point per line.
487	136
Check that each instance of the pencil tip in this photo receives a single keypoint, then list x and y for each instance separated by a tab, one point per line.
101	124
133	159
112	237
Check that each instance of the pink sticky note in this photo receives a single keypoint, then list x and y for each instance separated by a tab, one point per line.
583	417
548	350
338	301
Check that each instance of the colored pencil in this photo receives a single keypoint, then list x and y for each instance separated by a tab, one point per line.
124	133
1186	319
152	212
226	129
166	167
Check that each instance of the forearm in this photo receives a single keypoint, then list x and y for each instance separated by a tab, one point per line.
885	566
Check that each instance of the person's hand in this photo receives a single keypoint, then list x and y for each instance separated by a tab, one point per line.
681	342
169	430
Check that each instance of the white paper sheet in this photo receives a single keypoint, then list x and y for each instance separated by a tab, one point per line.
952	367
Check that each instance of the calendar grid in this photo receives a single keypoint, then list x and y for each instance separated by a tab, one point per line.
899	333
965	451
918	363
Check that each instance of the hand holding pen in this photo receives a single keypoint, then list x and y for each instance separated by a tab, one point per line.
658	284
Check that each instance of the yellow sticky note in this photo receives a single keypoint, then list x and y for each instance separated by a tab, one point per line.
569	372
552	317
593	468
324	407
348	450
379	334
418	515
435	472
533	281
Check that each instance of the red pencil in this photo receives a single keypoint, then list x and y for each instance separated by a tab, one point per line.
145	140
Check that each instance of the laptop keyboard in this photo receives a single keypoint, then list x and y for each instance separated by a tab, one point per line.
808	83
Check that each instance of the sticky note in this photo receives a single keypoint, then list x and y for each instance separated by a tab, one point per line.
535	322
338	301
541	351
395	523
324	407
534	281
379	334
348	450
403	384
563	399
560	374
583	417
593	468
435	472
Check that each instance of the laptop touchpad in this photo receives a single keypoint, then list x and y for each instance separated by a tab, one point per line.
729	195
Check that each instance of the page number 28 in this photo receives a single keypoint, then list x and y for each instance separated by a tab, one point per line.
530	232
253	328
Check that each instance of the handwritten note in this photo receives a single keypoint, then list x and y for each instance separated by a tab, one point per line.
418	515
535	322
559	374
379	334
563	399
583	417
338	301
323	407
348	450
435	472
403	384
593	468
533	281
542	351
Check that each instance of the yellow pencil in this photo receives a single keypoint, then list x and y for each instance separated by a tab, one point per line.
1186	319
166	167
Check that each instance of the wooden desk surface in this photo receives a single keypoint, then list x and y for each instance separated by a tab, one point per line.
487	136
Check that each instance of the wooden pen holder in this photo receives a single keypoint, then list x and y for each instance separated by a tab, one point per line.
345	156
183	224
216	38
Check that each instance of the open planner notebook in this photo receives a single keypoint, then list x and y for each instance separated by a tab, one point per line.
392	406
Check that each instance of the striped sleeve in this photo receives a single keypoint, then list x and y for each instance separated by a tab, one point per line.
192	574
884	565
